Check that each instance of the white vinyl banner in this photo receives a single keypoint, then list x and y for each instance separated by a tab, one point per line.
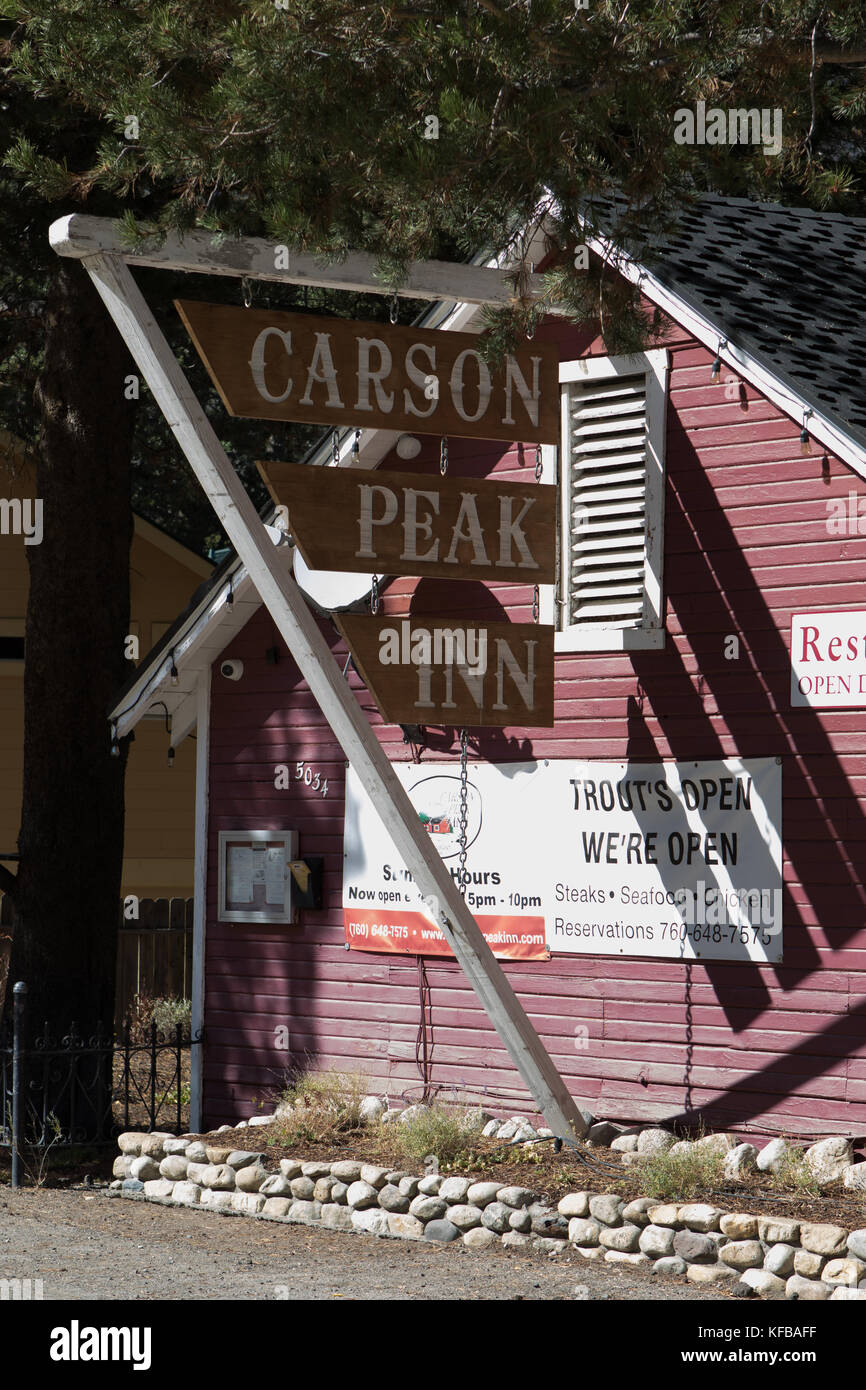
664	859
679	860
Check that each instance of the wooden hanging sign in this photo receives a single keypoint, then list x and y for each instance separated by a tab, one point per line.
272	365
435	670
427	525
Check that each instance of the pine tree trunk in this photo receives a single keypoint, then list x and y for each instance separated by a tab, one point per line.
71	840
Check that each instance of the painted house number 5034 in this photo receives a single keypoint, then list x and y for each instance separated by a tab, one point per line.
304	773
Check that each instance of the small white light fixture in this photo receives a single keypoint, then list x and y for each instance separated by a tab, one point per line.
408	446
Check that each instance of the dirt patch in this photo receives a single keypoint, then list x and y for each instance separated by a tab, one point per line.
551	1175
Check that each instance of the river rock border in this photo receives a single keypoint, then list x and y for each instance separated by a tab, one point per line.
769	1256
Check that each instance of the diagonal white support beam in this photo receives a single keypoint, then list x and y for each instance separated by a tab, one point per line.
302	636
202	253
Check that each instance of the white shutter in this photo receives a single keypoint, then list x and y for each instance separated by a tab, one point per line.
607	481
612	484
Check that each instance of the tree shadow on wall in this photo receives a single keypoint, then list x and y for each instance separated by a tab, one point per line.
743	706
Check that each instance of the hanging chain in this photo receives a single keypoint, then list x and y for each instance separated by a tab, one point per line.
335	448
374	594
246	286
536	604
393	308
539	467
443	456
462	875
356	446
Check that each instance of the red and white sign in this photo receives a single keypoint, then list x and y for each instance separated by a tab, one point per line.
828	659
382	908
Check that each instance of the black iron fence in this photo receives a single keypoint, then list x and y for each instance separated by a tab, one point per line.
76	1089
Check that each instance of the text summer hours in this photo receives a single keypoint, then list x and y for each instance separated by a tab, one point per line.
642	795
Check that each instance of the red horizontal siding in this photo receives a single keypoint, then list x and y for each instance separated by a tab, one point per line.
761	1049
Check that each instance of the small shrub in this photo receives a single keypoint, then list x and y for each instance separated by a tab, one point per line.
138	1016
795	1175
168	1013
34	1157
321	1104
170	1097
682	1176
448	1133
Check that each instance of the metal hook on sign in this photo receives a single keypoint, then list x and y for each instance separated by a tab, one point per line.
393	307
443	456
247	287
374	594
539	469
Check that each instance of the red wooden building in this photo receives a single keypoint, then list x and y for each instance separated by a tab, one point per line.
696	521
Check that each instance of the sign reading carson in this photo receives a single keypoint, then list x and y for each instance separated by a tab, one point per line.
402	523
270	365
441	671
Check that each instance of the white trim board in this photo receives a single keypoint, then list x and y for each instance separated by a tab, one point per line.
205	253
201	699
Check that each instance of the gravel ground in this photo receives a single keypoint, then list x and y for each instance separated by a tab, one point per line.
87	1246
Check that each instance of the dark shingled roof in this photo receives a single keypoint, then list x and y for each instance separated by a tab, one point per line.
784	284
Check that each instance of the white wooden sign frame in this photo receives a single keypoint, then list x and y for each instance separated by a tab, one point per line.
95	242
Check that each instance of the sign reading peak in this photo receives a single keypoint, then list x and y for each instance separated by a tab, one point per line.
271	365
407	523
